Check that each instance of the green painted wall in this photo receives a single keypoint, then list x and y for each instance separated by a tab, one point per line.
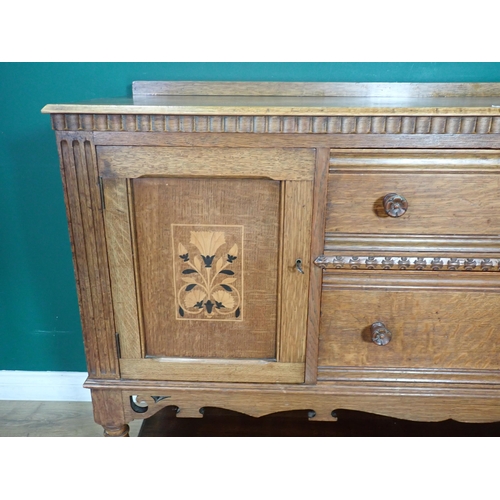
39	322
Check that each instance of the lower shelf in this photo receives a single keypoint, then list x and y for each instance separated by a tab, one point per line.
225	423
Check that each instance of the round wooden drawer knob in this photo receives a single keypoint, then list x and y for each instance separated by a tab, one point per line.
395	205
380	334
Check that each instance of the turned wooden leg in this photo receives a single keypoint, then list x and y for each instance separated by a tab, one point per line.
122	431
108	412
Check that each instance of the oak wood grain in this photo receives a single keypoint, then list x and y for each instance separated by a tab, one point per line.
246	212
304	140
303	89
225	370
110	413
414	160
430	329
255	156
295	285
465	405
121	266
410	377
435	245
291	106
273	163
424	400
411	280
86	227
438	124
316	276
442	196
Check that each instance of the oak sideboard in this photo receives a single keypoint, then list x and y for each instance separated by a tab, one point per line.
270	246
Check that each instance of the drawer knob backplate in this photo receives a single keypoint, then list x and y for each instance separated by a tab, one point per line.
395	205
380	334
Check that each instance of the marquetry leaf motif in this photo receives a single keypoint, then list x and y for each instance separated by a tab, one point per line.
207	255
218	265
194	299
197	263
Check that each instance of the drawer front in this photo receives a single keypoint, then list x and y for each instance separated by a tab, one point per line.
447	193
434	323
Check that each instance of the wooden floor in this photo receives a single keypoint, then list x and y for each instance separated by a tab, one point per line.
51	419
72	419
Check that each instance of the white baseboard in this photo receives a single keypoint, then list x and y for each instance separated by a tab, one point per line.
43	386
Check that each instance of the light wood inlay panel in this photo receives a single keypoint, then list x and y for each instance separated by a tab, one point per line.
167	211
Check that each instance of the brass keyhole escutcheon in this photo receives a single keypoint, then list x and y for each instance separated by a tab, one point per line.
298	266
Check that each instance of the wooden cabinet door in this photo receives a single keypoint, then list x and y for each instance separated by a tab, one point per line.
209	257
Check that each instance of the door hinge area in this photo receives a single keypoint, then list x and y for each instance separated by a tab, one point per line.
118	346
101	192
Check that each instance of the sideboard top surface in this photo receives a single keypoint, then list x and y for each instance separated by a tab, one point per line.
296	99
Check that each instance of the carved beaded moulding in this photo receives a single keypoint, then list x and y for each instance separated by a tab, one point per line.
279	124
408	263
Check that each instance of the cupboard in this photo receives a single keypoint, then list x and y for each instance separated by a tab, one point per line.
267	246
